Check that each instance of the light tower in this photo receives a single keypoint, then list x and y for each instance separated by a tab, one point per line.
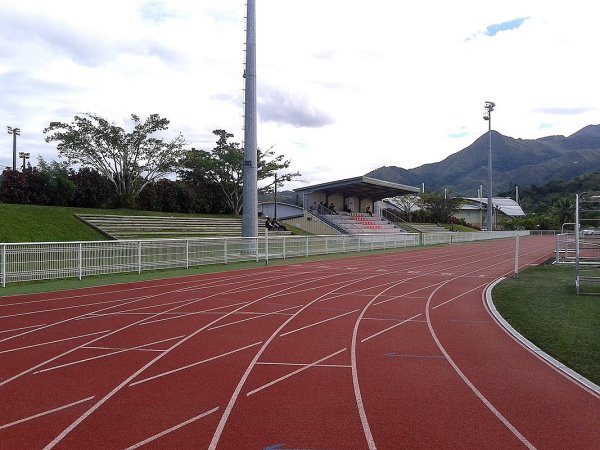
15	132
487	115
250	203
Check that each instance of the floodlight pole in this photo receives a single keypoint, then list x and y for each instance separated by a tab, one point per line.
487	115
250	171
15	132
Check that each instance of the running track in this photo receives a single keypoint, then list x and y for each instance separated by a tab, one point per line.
388	351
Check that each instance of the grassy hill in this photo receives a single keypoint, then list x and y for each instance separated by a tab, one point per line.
33	223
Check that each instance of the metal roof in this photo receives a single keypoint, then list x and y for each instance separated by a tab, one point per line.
362	187
506	205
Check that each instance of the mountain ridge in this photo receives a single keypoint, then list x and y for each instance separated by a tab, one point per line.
515	161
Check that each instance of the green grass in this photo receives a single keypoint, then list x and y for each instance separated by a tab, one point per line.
543	306
33	223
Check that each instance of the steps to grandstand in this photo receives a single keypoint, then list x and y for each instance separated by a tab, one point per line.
153	227
359	223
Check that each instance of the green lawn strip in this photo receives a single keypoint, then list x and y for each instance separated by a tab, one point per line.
34	223
543	306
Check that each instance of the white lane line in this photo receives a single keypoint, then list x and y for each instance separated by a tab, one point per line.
356	385
389	328
40	311
345	366
45	413
41	344
148	322
295	372
123	350
140	370
23	328
195	364
471	386
236	393
317	323
460	295
280	311
170	430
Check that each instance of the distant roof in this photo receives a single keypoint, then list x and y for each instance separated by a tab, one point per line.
506	205
363	187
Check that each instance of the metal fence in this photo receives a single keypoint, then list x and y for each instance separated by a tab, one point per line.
52	260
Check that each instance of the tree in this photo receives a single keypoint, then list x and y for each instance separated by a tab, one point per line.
442	207
407	203
223	168
130	160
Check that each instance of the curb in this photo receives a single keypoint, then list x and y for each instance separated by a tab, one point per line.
569	373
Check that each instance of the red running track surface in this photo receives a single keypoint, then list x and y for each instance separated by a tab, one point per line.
387	351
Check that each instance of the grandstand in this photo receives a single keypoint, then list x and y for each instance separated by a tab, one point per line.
150	227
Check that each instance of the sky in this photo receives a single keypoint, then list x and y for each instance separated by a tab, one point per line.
343	86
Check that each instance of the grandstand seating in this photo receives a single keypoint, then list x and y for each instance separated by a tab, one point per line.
361	223
152	227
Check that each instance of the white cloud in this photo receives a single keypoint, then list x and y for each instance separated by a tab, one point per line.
344	87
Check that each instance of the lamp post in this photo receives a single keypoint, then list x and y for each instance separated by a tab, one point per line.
15	132
24	156
487	115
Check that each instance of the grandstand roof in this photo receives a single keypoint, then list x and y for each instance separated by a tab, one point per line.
362	187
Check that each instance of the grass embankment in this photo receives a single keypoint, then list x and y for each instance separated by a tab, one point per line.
33	223
543	306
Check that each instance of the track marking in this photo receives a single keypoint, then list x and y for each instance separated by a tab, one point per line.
226	413
170	430
410	319
295	372
45	413
318	323
346	366
471	386
127	380
41	344
80	361
460	295
273	313
179	369
23	328
173	317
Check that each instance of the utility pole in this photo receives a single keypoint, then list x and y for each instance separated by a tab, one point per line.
15	132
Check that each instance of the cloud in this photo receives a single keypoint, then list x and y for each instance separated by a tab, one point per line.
155	11
496	28
564	111
292	109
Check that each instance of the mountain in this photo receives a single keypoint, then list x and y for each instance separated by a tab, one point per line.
521	162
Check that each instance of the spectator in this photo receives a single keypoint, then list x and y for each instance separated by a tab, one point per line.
268	224
368	211
332	207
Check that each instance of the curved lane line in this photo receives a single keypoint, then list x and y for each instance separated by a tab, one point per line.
471	386
130	378
219	430
570	374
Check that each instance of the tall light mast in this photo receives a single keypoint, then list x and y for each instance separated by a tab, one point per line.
487	115
250	204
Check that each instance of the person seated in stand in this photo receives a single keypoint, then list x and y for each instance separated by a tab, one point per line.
268	224
346	208
332	208
276	226
368	211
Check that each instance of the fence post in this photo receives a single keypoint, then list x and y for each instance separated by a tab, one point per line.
80	260
225	250
266	247
284	239
307	252
517	258
3	265
187	253
139	256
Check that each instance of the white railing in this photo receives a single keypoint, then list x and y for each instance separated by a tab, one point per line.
52	260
